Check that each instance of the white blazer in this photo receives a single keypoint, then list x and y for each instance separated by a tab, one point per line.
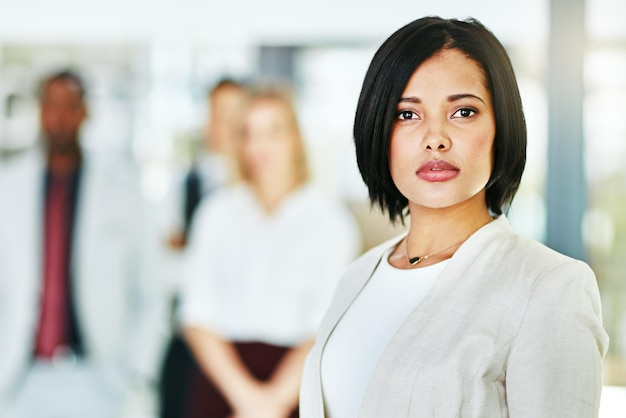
118	295
509	329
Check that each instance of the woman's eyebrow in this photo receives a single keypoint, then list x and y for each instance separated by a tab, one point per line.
451	98
411	99
455	97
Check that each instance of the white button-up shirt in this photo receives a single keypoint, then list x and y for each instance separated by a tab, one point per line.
251	276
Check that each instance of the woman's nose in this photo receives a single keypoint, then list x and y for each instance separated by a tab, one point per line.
437	138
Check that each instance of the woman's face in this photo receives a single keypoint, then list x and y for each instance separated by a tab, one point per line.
268	147
441	152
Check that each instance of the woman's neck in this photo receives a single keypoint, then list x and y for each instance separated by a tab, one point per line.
433	230
271	193
435	234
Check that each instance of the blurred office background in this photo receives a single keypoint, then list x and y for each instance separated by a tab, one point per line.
148	65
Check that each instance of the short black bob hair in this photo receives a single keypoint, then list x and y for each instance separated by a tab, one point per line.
385	80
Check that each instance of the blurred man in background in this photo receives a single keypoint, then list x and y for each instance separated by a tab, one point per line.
213	166
81	313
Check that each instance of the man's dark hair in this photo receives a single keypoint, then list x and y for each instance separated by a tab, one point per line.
66	75
226	82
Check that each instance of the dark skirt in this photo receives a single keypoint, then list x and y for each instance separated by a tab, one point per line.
203	400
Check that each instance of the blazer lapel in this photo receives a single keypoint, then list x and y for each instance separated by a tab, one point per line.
380	390
24	243
349	288
26	207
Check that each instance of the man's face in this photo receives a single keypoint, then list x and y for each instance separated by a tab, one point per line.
227	118
62	112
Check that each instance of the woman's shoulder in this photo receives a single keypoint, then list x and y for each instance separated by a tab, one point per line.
219	205
226	197
535	252
546	287
528	259
312	195
311	201
314	199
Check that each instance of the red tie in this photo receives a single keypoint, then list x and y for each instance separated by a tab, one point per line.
52	331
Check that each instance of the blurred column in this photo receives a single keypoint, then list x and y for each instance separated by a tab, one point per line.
566	189
277	63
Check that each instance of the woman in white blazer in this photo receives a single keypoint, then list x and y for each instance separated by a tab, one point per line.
460	317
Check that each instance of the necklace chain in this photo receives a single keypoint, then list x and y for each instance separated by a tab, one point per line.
416	260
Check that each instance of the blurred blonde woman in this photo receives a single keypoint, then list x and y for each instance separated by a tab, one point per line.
263	260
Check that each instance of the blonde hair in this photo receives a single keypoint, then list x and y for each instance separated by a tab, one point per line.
281	96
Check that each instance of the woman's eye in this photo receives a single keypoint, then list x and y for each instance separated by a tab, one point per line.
464	113
406	114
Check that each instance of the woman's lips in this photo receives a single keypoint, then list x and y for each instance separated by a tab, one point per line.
437	170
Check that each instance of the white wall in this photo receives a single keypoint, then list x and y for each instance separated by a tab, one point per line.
246	21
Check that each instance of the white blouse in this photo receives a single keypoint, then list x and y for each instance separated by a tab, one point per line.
359	339
250	276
